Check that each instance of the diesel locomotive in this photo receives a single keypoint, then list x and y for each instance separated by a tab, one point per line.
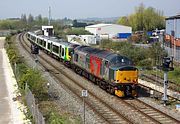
112	72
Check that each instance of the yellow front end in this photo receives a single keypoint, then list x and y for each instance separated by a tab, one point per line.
126	81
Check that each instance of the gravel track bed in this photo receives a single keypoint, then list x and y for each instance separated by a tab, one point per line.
66	100
168	110
69	101
101	93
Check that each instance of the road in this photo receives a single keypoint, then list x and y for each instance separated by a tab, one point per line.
9	109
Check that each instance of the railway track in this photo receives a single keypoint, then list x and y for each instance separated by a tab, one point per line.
155	114
159	81
99	107
104	109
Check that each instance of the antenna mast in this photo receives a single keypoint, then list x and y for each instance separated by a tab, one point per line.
49	21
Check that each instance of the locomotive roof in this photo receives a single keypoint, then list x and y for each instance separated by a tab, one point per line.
113	58
118	60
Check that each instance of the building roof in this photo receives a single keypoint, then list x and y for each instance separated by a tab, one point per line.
173	17
103	25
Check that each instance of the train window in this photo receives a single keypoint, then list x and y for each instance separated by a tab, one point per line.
55	49
76	57
44	44
49	46
38	41
41	42
62	52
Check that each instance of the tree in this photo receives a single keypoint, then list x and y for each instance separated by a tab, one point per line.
30	19
144	19
124	21
39	19
156	52
23	18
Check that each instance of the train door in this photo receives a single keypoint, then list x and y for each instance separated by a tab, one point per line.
60	50
51	46
87	62
67	56
105	69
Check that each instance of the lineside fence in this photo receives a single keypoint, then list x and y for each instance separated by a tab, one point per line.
37	115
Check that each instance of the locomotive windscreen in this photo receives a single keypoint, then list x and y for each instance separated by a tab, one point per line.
120	60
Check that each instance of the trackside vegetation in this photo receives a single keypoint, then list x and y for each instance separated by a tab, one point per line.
37	84
144	58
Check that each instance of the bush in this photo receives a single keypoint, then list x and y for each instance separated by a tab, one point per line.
34	80
146	63
77	31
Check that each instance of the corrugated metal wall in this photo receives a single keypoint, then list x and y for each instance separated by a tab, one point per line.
173	25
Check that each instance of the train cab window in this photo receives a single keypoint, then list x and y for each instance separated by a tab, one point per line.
106	63
70	51
62	52
120	60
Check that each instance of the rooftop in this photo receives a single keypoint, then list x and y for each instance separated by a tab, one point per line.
173	17
103	25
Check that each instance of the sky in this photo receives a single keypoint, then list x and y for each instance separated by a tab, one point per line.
79	9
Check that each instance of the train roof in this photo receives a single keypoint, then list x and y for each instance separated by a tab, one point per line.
53	39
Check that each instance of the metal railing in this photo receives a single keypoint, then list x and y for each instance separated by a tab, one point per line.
37	115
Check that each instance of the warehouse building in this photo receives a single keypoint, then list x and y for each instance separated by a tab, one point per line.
172	36
110	30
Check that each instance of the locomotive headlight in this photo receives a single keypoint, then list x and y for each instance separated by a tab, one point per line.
135	80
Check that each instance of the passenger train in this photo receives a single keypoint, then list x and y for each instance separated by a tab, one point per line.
112	72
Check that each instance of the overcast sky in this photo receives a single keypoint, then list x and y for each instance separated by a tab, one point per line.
83	8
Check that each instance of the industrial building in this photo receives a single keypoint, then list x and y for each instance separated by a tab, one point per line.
110	30
172	36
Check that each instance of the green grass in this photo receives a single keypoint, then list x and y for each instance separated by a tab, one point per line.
36	82
173	76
